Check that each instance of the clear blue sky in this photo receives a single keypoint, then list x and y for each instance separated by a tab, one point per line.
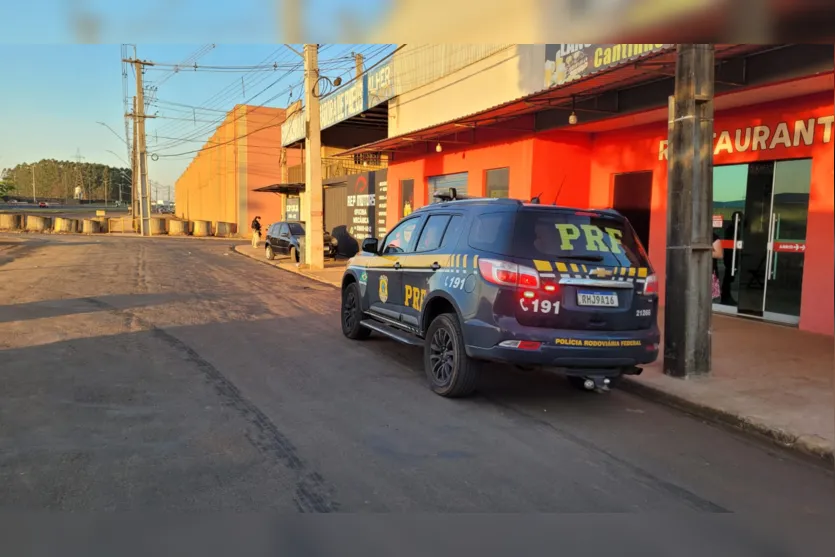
54	92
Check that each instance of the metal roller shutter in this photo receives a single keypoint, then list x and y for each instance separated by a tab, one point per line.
457	181
336	207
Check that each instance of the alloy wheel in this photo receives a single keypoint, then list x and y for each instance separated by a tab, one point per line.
442	356
349	308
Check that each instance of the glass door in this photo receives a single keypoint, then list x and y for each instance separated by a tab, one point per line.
787	240
729	191
760	215
753	256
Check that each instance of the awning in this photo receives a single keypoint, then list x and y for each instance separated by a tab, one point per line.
289	189
655	66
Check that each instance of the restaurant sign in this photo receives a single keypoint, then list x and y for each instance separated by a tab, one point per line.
566	62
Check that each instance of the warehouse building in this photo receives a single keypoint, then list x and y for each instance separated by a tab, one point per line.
241	156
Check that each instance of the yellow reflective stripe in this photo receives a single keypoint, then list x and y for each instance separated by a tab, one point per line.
464	263
623	271
475	262
561	267
575	268
642	272
543	266
585	270
631	271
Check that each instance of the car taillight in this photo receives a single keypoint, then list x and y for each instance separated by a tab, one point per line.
651	285
508	274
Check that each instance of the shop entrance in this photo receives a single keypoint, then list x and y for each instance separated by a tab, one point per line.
633	199
760	211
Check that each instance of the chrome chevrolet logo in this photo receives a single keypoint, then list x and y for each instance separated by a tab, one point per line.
601	273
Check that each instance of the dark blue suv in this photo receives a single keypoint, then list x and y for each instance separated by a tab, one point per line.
474	280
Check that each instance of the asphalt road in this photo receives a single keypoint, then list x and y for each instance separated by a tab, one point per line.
175	374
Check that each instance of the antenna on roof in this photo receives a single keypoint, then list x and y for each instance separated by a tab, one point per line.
559	190
535	199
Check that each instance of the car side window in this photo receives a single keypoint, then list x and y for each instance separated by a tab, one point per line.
285	230
402	239
433	231
453	231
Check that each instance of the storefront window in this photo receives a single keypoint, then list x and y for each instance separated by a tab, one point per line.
407	197
497	182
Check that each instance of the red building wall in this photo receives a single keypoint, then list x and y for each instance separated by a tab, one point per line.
639	149
581	168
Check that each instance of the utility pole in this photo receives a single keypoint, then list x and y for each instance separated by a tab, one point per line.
312	198
687	315
106	185
358	60
134	172
139	118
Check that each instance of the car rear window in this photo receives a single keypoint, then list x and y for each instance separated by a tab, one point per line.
492	232
577	236
296	229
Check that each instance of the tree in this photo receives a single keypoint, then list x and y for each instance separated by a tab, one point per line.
57	180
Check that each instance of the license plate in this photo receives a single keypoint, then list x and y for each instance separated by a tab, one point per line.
597	299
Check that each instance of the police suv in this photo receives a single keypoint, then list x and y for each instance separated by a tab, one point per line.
477	279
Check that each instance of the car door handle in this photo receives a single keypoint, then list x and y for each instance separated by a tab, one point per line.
435	266
397	266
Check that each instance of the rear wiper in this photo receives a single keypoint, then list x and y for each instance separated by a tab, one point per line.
584	257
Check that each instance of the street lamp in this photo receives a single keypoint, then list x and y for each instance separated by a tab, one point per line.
122	139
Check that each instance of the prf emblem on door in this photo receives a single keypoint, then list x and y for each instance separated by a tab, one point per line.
384	288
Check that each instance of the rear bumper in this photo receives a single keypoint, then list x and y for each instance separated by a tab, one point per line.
574	351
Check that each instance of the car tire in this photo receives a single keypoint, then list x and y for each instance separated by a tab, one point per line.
294	255
351	313
451	373
268	251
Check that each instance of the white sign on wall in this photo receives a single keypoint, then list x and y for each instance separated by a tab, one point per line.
766	138
341	106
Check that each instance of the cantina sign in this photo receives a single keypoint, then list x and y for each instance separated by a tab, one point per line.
766	138
567	62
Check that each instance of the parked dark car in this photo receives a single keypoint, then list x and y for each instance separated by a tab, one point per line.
283	239
474	280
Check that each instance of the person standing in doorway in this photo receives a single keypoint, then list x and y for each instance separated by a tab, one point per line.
256	231
717	252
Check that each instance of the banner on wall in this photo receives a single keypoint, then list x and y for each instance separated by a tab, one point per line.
292	211
381	203
367	199
567	62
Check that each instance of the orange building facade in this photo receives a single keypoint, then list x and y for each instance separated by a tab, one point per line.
242	155
773	193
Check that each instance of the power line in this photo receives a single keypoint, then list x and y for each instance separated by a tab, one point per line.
273	125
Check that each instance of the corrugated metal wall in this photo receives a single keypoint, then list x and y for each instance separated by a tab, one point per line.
336	206
419	64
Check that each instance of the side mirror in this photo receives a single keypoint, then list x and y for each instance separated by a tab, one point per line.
369	245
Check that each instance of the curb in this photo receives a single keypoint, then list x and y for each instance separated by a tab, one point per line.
280	268
805	446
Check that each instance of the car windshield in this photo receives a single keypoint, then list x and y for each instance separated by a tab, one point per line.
296	229
580	236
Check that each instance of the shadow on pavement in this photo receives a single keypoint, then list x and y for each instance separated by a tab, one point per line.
73	306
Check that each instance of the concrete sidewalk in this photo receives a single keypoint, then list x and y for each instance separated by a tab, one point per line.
767	379
331	274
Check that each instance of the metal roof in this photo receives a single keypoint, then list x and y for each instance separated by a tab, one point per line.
289	189
641	70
